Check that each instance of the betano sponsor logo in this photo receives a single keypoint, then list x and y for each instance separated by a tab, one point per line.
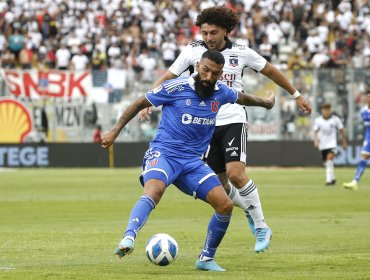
189	119
15	121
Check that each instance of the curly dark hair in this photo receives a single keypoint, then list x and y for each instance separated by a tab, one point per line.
219	16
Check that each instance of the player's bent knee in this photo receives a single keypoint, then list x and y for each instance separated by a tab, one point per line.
155	189
235	171
236	177
226	207
219	200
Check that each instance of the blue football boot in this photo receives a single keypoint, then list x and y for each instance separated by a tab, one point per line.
125	247
263	237
250	223
210	265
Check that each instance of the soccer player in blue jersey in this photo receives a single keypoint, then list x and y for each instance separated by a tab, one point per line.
188	120
365	152
227	153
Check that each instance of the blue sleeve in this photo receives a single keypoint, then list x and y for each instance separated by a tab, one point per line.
230	94
158	96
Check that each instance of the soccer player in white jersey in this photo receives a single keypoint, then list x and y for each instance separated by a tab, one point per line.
188	120
228	149
365	152
325	139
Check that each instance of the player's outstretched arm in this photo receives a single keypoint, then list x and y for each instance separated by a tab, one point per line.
274	74
108	137
144	114
252	100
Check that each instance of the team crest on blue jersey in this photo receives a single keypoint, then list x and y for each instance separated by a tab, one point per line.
233	61
153	162
214	106
188	102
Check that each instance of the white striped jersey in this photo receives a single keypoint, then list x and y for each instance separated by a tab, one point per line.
237	57
327	131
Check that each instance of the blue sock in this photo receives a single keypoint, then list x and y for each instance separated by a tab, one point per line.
216	230
139	215
360	169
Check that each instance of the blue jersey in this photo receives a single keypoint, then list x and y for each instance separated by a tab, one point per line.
365	115
188	121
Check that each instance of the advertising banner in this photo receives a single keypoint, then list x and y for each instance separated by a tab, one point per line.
35	84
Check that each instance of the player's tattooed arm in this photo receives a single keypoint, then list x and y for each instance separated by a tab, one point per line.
253	100
109	136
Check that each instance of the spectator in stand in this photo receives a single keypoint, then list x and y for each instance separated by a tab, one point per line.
274	34
153	42
314	43
169	51
286	25
3	43
63	57
79	61
296	63
98	60
114	53
148	64
298	17
97	134
25	56
265	49
74	43
142	24
16	42
320	59
8	60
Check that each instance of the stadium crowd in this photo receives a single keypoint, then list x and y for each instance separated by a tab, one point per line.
143	35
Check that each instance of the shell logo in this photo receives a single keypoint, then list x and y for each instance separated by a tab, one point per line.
15	121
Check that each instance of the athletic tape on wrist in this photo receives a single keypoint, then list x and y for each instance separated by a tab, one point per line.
296	94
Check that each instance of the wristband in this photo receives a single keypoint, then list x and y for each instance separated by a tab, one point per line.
296	94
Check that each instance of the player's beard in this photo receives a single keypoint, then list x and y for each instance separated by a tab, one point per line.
204	91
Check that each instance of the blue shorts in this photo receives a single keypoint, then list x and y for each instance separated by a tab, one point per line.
191	176
366	148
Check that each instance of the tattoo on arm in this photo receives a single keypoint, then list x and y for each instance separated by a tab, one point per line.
251	100
131	111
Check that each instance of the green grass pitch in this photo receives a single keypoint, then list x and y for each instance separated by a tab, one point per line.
65	224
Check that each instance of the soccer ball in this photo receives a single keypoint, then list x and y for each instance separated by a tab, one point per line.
162	249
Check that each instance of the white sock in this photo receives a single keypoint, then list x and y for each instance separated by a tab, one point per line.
252	204
235	196
329	168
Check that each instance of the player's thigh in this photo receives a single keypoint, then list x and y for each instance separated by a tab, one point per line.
219	200
365	151
197	179
155	189
235	171
157	166
214	155
234	142
328	154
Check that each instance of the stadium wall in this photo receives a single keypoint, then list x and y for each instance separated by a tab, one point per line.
272	153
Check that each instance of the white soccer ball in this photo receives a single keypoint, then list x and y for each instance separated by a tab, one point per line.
162	249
